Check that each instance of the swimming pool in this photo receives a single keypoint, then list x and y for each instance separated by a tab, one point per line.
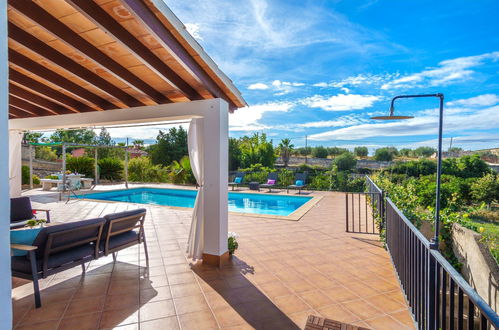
238	202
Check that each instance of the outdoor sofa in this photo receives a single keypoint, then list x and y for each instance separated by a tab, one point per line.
60	247
21	212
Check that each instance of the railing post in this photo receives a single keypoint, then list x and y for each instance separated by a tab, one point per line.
346	215
431	294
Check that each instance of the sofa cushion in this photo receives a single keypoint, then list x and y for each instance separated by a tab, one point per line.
122	224
120	240
20	209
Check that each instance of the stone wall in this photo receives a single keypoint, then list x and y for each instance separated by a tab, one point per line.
479	267
42	168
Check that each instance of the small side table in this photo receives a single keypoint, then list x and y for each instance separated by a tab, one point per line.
254	186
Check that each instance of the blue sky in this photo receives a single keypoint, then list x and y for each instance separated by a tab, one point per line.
322	68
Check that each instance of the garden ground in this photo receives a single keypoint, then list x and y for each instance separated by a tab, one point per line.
282	272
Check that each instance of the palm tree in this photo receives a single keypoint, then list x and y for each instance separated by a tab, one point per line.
286	148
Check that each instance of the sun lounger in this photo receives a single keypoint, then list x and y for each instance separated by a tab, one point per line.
271	181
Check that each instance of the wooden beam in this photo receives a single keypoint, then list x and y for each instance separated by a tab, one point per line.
37	100
106	22
64	83
168	41
71	38
51	94
19	113
30	107
34	44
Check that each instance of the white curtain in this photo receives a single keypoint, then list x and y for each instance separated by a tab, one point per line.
195	144
15	179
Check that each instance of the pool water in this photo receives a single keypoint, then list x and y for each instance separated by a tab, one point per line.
238	202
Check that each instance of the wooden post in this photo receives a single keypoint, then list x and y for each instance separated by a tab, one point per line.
96	169
30	166
126	167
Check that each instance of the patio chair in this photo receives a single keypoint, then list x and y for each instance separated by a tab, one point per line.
21	212
300	182
57	248
238	180
122	230
271	181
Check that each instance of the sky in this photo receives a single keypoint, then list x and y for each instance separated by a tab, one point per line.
321	69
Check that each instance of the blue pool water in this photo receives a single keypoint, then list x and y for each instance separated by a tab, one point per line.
238	202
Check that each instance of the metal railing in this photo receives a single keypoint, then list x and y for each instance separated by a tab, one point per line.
377	199
361	213
439	297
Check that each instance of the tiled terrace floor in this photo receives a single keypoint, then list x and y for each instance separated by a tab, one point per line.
282	272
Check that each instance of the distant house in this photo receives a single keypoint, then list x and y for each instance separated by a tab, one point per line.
78	152
135	153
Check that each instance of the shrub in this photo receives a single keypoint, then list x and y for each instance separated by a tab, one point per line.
361	151
111	169
286	177
414	168
486	189
45	153
321	182
36	179
319	152
25	174
383	155
345	162
141	169
181	172
83	165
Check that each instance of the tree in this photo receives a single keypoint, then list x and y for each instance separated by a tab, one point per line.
170	146
424	151
383	155
336	151
285	149
138	144
319	152
104	139
486	189
31	137
406	152
257	150
82	136
234	154
361	151
345	162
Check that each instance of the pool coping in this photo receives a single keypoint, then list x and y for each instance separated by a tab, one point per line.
294	216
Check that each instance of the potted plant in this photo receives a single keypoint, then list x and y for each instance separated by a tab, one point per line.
233	245
35	222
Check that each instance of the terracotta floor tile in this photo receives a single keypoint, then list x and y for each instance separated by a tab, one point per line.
123	287
85	306
198	320
362	309
338	313
114	318
291	304
82	322
388	305
190	304
275	289
403	317
228	316
155	294
183	290
47	313
156	310
180	278
340	294
384	322
121	301
170	323
316	299
47	325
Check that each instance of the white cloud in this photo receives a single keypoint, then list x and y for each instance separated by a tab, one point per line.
359	80
285	87
258	86
447	72
423	125
247	118
480	101
341	102
193	29
340	122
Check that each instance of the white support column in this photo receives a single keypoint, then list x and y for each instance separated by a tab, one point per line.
15	162
216	131
5	274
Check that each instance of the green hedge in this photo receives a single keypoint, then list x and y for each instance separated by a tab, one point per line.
82	165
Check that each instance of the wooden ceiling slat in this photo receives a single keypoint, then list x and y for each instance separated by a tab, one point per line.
64	83
157	29
54	26
26	106
42	49
19	113
37	100
107	23
48	92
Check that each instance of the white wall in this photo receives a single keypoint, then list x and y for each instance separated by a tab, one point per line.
5	282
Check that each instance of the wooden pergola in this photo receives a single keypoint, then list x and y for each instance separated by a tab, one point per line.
82	55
